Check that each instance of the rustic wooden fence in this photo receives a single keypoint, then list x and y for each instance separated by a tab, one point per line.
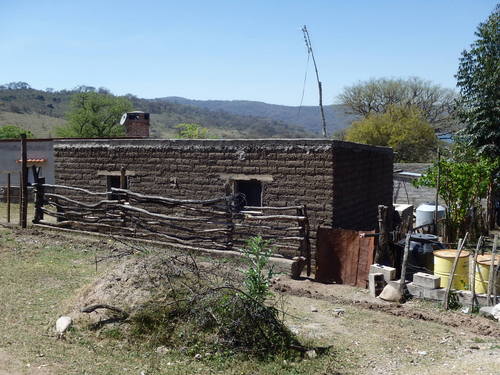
222	223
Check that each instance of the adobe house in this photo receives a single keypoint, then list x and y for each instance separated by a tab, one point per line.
341	183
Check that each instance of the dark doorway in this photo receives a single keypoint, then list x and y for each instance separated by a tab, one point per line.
114	182
252	189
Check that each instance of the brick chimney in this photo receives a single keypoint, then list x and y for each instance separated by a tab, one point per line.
136	124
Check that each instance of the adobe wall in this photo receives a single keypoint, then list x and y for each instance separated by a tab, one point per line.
340	183
363	179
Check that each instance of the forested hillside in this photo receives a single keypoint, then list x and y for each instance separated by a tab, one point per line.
41	110
337	116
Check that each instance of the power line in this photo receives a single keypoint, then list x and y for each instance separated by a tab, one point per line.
305	79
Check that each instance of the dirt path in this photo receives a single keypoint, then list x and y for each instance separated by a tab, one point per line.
415	309
390	344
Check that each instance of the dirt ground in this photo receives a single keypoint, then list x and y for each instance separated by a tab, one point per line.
367	335
414	338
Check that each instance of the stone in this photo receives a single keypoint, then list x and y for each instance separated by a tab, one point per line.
388	272
311	354
376	283
297	267
496	311
487	312
426	280
62	324
162	350
391	293
314	309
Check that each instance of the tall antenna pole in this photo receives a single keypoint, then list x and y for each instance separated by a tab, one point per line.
307	39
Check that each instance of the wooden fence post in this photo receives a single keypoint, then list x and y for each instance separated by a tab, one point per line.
229	217
384	253
491	277
24	182
472	282
39	199
20	197
8	197
452	272
123	178
438	182
402	280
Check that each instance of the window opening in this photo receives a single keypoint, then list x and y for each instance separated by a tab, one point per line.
252	190
114	182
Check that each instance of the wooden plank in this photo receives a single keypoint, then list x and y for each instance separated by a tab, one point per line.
402	283
365	259
491	280
473	281
452	272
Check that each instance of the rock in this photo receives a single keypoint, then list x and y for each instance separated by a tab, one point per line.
62	324
496	311
314	309
162	350
487	311
311	354
423	352
391	293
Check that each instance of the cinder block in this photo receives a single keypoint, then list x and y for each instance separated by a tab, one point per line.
389	272
376	283
426	280
425	293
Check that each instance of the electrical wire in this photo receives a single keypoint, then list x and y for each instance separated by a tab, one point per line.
305	79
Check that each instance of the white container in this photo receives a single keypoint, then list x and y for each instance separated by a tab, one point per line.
425	213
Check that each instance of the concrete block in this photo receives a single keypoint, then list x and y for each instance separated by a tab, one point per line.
419	291
388	272
376	283
426	280
434	294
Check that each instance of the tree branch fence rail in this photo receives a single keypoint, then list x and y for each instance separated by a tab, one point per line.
222	223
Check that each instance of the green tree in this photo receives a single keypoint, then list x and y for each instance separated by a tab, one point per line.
436	103
94	115
402	128
13	132
464	180
478	78
191	131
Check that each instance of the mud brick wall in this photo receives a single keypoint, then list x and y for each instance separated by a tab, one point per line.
340	183
363	178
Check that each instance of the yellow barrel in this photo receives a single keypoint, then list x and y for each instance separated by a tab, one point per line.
443	262
483	273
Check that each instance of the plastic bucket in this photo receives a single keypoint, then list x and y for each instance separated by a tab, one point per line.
483	273
443	262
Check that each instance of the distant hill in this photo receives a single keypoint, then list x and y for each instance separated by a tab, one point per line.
40	111
337	116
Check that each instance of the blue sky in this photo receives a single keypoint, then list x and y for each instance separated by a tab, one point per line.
214	49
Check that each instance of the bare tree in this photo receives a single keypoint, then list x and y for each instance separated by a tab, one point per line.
437	104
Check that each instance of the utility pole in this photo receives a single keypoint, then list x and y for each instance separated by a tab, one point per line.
307	39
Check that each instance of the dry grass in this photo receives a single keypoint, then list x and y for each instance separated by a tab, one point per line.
41	272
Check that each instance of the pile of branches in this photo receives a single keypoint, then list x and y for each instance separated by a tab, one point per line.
204	305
